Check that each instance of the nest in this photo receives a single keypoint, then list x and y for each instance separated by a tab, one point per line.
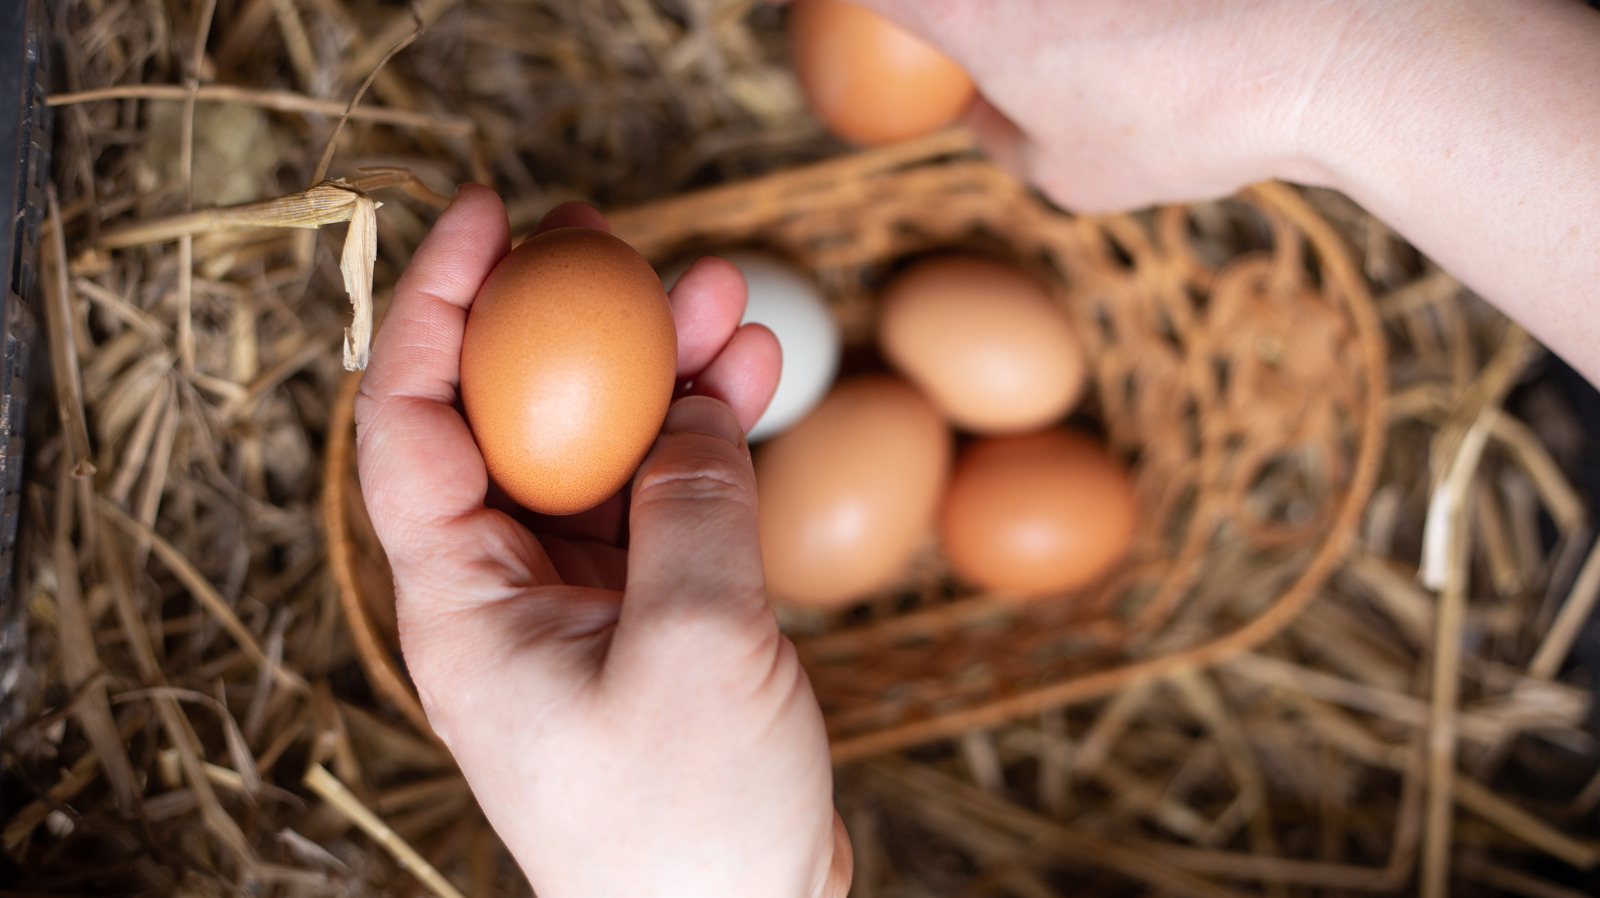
199	718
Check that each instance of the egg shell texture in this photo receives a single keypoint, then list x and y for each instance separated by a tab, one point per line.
987	342
1037	514
851	491
868	79
568	364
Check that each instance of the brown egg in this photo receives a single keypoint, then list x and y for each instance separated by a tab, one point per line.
986	342
868	79
568	364
850	492
1037	514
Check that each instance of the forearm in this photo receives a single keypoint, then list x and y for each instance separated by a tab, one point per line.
1473	128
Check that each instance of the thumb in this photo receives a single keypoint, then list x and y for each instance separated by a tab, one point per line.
694	556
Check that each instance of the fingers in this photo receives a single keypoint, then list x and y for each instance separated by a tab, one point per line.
707	302
1006	145
745	374
418	462
738	365
1002	141
693	552
418	351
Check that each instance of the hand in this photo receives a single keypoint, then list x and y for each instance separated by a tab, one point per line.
1108	106
1472	127
631	720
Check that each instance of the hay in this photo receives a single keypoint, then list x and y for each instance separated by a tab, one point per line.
191	665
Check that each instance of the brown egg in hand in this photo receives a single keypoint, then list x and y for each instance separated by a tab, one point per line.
849	493
868	79
1037	514
568	365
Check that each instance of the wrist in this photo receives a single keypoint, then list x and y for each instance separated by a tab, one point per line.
1472	128
1287	90
1404	88
1366	86
1336	73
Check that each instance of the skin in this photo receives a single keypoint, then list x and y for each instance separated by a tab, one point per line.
1472	127
631	719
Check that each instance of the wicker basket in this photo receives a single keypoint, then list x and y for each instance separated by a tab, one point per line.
1238	364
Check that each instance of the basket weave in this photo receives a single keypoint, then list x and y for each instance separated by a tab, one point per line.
1246	387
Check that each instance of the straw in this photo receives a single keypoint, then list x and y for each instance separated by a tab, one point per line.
331	790
1345	655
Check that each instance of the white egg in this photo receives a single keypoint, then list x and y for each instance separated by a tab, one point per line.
793	308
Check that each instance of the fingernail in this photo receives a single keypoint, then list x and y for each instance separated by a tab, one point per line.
702	414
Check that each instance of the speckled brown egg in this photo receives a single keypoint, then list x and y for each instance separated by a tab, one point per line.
988	343
868	79
849	493
1037	514
568	365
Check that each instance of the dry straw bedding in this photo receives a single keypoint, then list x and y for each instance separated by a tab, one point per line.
197	719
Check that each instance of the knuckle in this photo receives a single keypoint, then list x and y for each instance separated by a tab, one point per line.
376	415
702	468
366	408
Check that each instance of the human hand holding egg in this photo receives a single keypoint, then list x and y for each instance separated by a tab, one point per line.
626	718
1103	106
